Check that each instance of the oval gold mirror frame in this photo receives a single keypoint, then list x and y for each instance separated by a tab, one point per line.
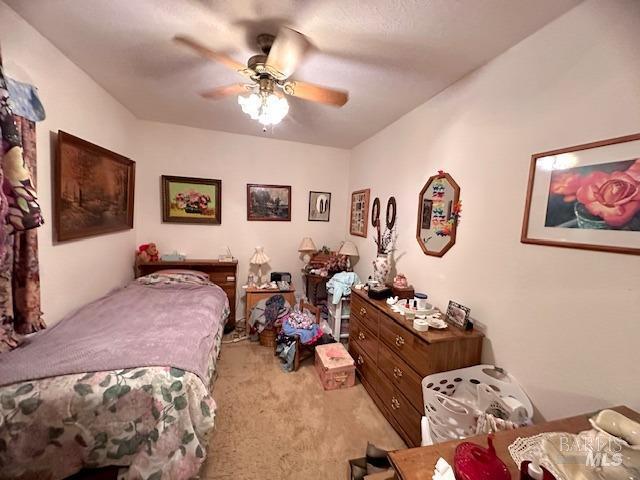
454	195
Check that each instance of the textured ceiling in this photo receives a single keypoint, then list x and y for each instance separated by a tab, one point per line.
390	55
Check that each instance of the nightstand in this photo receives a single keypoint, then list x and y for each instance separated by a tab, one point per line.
254	295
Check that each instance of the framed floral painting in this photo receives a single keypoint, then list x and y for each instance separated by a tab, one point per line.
587	197
191	200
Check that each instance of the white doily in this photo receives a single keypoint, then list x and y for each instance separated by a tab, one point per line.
530	448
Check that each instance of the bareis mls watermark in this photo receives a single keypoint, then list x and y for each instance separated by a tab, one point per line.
597	451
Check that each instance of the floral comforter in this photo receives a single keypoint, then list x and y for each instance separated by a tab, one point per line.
153	419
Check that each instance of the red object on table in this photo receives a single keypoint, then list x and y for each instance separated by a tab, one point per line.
473	462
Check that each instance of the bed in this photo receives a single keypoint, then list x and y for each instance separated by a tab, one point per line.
123	381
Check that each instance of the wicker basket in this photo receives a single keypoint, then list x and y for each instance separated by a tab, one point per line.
268	337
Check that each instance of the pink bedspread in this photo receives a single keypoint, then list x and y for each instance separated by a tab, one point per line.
136	326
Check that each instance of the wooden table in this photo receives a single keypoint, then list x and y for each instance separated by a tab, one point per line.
254	295
419	463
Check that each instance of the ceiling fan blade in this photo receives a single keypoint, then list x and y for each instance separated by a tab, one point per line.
287	51
207	53
219	93
316	93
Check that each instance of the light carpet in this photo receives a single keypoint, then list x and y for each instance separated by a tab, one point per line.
271	424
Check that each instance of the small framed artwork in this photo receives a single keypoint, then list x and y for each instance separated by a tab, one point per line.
191	200
359	213
319	206
586	196
93	190
458	315
269	202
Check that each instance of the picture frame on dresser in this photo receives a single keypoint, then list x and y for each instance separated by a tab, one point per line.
458	315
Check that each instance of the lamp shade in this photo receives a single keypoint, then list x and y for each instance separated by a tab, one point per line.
307	245
259	257
348	248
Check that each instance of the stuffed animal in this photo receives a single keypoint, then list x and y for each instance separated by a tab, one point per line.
147	252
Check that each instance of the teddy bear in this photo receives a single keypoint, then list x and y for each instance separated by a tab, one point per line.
147	252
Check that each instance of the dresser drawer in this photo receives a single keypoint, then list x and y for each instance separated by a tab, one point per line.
417	353
366	313
401	410
365	366
401	375
364	338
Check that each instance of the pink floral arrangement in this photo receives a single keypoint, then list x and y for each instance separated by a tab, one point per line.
192	201
614	197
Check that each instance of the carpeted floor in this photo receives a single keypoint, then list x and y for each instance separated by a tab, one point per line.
276	425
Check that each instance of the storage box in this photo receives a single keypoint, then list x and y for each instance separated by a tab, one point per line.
335	366
402	292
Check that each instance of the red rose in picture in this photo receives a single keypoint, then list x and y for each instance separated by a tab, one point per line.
634	170
614	197
565	183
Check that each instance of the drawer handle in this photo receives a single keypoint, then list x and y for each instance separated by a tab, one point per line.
361	336
363	311
399	341
360	360
395	404
397	373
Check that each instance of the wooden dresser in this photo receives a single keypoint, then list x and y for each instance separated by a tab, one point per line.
392	359
222	274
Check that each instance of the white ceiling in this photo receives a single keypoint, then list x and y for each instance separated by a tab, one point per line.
390	55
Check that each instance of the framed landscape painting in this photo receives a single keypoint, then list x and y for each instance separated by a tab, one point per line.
191	200
587	197
359	213
269	202
319	206
93	190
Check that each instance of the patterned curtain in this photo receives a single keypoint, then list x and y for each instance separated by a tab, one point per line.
19	216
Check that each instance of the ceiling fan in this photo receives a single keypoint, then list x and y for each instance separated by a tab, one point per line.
269	73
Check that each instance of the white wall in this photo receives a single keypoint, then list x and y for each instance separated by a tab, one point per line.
563	321
237	160
75	272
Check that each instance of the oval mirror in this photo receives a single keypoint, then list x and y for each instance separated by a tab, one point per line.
437	215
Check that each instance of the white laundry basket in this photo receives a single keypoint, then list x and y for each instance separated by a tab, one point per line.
451	419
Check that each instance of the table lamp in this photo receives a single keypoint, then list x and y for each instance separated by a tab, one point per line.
259	258
307	247
349	249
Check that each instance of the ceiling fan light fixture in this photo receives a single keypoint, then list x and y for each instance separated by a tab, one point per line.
267	108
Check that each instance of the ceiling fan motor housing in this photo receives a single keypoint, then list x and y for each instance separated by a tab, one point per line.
264	42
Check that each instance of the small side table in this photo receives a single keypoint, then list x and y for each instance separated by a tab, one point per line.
254	295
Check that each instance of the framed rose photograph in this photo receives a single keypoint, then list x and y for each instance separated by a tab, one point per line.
359	213
191	200
586	196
